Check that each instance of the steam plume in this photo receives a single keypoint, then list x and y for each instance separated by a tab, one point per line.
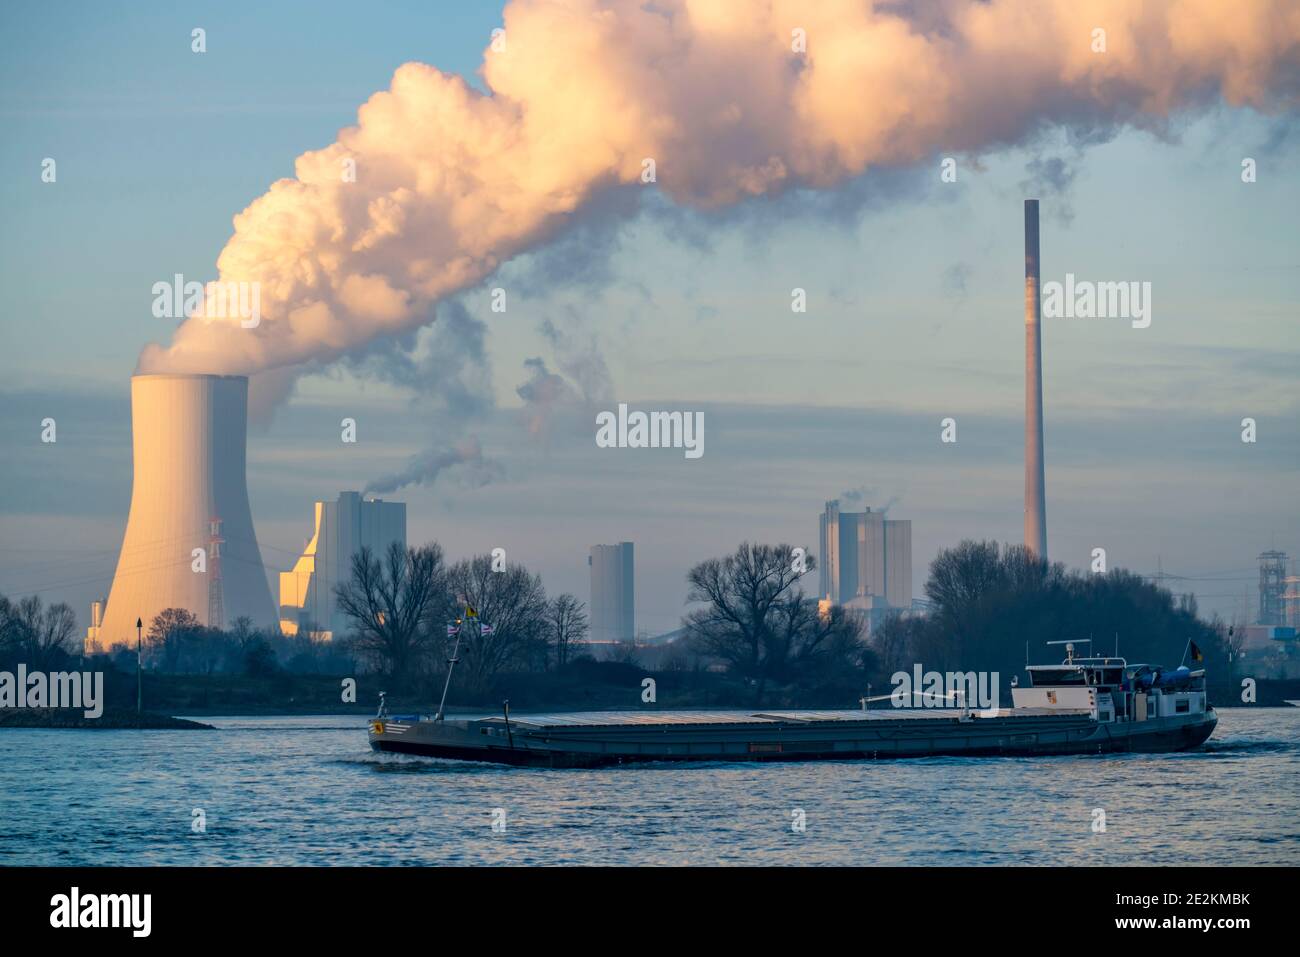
424	468
451	182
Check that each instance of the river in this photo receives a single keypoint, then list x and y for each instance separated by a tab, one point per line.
307	790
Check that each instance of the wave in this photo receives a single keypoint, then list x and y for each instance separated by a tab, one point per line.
389	763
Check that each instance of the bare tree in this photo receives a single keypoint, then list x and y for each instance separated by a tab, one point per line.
242	631
41	634
513	604
394	603
566	623
757	620
170	632
894	641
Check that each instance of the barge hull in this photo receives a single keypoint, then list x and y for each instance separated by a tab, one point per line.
602	740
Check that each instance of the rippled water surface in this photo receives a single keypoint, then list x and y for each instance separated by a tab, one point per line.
307	790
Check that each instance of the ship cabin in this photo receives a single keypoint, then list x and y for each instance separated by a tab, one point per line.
1113	690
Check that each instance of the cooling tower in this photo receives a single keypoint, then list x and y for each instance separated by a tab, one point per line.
1035	484
189	492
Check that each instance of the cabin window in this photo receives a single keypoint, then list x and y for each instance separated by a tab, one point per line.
1063	676
1182	705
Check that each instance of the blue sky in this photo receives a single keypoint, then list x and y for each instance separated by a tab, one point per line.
914	290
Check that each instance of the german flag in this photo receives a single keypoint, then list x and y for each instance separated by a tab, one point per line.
1195	652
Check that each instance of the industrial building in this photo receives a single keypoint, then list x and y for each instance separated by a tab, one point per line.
341	530
613	617
865	560
189	540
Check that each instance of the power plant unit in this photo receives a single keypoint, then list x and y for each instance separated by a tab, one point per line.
189	435
864	556
613	595
342	529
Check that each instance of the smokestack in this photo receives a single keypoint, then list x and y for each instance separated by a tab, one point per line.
1035	484
188	438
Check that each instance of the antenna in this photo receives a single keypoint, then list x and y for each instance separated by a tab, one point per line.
1069	648
451	665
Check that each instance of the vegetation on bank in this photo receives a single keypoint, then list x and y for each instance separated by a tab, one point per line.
750	638
992	607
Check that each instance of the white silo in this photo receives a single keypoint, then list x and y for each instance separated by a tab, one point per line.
188	439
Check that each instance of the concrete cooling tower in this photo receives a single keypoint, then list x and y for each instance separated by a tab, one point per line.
189	492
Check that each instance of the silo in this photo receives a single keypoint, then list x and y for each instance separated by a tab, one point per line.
188	440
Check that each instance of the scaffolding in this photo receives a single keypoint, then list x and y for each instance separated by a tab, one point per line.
1291	598
216	603
1272	588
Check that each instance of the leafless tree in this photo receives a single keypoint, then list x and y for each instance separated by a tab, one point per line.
42	635
513	603
395	603
243	632
566	622
170	632
758	621
894	641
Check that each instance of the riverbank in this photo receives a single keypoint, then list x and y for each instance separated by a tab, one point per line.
112	718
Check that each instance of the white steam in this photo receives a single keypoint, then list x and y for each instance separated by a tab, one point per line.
450	182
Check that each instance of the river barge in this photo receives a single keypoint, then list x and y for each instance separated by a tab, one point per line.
1082	706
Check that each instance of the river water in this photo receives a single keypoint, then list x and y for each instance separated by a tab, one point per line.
307	790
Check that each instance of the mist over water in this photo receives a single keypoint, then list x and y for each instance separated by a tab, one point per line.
307	790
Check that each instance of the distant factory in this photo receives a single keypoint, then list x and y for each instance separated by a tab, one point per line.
613	615
342	529
865	561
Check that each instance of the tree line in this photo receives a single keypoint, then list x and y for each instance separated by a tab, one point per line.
990	607
400	603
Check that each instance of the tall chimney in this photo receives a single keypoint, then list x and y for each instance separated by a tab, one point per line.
1035	485
188	439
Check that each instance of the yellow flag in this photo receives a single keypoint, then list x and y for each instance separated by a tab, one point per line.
470	612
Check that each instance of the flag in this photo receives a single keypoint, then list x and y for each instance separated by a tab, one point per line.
452	631
470	612
485	629
1196	652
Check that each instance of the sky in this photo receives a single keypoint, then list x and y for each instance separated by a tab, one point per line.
914	314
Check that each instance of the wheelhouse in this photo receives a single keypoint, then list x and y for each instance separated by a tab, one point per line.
1113	690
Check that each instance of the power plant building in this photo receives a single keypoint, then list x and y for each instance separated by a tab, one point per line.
866	559
612	596
189	540
342	529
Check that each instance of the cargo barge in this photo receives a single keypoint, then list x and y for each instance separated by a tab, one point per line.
1082	706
